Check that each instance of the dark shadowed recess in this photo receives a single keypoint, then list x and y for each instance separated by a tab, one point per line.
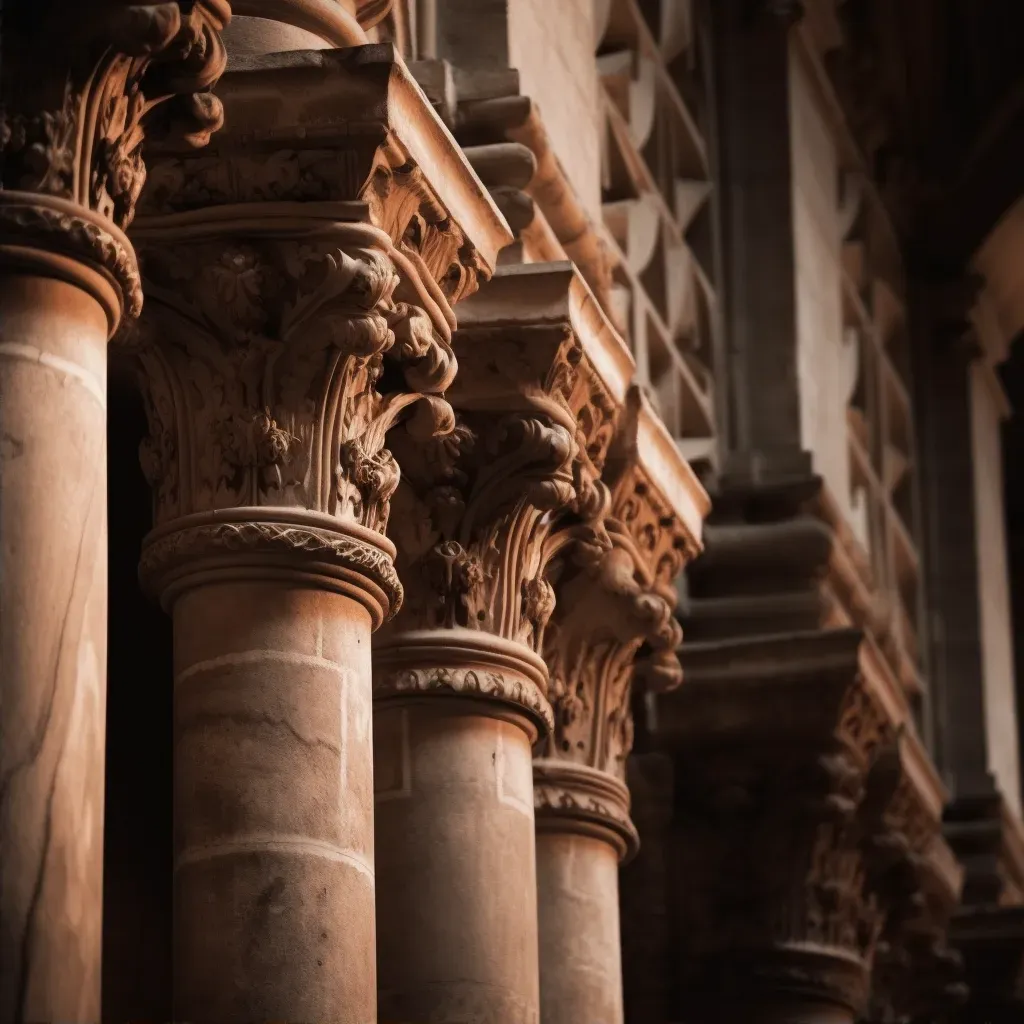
137	837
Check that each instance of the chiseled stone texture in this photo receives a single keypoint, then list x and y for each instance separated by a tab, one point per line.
458	883
273	806
580	955
53	648
551	44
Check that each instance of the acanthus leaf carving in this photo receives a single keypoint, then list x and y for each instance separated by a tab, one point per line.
474	514
76	137
614	624
273	364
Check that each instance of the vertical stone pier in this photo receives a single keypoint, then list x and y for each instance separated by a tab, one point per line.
75	94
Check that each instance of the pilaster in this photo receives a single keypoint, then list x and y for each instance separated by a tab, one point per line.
83	87
301	282
982	830
762	431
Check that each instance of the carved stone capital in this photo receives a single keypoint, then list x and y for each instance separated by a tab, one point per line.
262	362
615	571
300	290
82	87
785	767
570	797
542	376
350	126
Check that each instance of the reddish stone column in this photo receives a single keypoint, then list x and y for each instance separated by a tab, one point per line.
615	592
53	637
269	554
273	873
73	93
299	316
456	715
459	683
583	833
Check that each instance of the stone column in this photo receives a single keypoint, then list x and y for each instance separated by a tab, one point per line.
75	89
459	684
289	336
616	591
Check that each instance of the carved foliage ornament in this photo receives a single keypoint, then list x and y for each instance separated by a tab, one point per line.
477	508
473	519
608	606
398	196
79	86
777	838
274	367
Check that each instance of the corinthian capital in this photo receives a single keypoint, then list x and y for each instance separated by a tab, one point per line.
615	572
541	381
82	85
808	820
300	309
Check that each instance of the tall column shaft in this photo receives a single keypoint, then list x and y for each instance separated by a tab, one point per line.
578	910
457	931
53	647
76	102
273	804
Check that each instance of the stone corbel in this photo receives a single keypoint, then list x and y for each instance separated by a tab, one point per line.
786	765
303	278
80	92
615	575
